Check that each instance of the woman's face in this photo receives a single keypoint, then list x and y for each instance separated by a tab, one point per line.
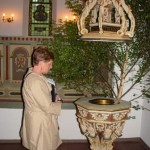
46	66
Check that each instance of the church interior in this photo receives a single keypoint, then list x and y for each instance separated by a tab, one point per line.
18	37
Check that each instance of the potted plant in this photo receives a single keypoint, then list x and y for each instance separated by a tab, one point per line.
95	68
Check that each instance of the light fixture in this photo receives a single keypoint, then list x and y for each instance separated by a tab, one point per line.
74	18
66	18
9	19
110	20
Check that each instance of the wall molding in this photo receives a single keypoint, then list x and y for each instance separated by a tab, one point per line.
120	140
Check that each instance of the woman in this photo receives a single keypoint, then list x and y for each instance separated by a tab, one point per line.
40	125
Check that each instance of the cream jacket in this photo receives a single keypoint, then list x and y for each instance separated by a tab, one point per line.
40	125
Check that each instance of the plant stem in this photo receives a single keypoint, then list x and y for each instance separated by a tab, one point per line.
123	74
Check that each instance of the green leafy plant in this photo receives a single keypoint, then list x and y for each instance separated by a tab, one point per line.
90	67
78	63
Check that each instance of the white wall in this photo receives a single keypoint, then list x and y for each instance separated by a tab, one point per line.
145	131
8	7
10	123
132	126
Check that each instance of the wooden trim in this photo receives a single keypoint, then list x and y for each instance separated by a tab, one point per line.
10	104
64	141
136	139
9	141
120	140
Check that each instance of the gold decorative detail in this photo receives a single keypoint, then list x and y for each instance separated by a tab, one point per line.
9	19
102	101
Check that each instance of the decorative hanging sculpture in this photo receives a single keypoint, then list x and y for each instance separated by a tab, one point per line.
109	20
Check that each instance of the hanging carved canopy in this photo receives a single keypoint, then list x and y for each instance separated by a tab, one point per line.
110	20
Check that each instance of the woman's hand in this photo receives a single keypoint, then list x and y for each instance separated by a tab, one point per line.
58	99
